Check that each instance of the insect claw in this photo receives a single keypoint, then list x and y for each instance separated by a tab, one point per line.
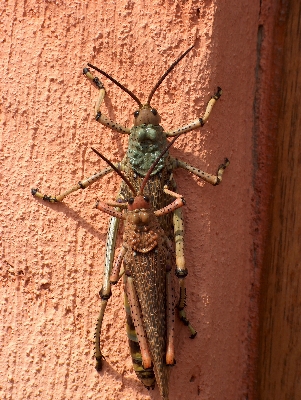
218	94
98	365
221	166
193	335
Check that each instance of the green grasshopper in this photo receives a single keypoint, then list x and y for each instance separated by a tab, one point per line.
147	145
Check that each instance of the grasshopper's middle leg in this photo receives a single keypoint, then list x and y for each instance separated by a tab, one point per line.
213	179
81	185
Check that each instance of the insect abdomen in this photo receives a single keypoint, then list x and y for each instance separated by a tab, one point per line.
149	277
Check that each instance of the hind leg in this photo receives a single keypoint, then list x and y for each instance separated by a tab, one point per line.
181	270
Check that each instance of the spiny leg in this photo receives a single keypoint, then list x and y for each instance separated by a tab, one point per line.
99	116
210	178
181	271
200	121
81	185
105	292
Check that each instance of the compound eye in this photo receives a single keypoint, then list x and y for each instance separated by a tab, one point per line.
146	198
136	113
154	111
131	200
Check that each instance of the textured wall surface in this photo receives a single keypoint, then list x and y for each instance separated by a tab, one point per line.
280	347
52	254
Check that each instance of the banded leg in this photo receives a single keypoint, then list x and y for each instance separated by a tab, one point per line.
145	375
210	178
138	322
200	121
81	185
181	271
99	116
105	292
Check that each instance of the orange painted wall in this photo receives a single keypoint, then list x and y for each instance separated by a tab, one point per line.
52	255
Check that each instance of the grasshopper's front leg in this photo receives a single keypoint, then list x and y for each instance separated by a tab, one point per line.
200	121
81	185
99	116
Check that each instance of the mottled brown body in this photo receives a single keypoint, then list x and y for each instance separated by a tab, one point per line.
146	254
148	270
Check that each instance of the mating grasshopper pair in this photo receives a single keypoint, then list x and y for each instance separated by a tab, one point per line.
153	238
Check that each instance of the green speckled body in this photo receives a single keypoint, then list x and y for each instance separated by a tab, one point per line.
146	143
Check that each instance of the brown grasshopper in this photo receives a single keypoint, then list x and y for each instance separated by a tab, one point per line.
147	256
147	141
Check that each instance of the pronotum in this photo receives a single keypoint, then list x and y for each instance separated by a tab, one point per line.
147	146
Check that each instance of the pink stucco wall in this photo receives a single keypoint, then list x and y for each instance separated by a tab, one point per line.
52	255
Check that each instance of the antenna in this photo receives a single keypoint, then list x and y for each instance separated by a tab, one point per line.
122	176
146	178
166	73
117	83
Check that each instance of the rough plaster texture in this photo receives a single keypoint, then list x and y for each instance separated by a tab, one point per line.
52	255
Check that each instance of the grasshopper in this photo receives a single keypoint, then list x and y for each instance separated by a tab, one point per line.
146	254
147	145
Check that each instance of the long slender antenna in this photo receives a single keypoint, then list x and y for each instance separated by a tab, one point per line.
122	176
146	178
117	83
166	73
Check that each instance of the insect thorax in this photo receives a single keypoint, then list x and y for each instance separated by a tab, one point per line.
145	144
